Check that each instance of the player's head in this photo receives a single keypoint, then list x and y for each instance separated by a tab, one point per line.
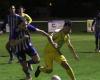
12	9
98	15
21	10
67	26
55	77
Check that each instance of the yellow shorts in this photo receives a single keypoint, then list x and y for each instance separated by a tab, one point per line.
51	55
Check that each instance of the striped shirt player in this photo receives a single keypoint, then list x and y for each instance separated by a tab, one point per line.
16	43
25	46
13	20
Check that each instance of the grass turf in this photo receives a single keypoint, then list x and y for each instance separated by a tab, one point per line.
87	68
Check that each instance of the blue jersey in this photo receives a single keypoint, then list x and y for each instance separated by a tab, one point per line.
96	24
25	44
13	22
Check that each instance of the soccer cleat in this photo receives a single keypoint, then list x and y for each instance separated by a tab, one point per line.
28	78
30	67
96	50
37	72
99	51
10	61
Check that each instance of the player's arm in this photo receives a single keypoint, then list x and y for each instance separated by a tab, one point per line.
28	18
70	46
93	25
3	27
49	37
55	45
32	28
42	32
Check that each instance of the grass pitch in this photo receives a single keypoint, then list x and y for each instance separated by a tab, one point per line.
87	68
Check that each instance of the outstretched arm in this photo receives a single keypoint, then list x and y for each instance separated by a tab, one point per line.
32	28
3	27
43	32
72	50
49	37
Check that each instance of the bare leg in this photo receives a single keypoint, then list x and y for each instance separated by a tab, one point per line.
26	71
68	69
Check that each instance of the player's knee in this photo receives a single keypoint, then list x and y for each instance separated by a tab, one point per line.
36	59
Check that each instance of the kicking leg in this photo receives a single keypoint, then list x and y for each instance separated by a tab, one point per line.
97	41
48	65
34	57
63	62
68	69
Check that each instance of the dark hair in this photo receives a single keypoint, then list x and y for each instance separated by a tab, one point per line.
68	23
21	7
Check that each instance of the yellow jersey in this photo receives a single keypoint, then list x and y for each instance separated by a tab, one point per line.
27	18
60	38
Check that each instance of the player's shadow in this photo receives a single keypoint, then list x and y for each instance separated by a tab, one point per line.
3	63
3	56
22	79
87	52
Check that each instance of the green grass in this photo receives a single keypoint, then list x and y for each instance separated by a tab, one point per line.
87	68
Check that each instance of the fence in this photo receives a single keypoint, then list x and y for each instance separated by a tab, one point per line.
77	25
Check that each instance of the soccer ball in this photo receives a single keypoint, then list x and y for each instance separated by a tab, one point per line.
55	77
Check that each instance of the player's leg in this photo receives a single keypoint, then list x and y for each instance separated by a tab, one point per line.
97	41
48	68
22	60
34	56
10	52
31	51
63	62
68	69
